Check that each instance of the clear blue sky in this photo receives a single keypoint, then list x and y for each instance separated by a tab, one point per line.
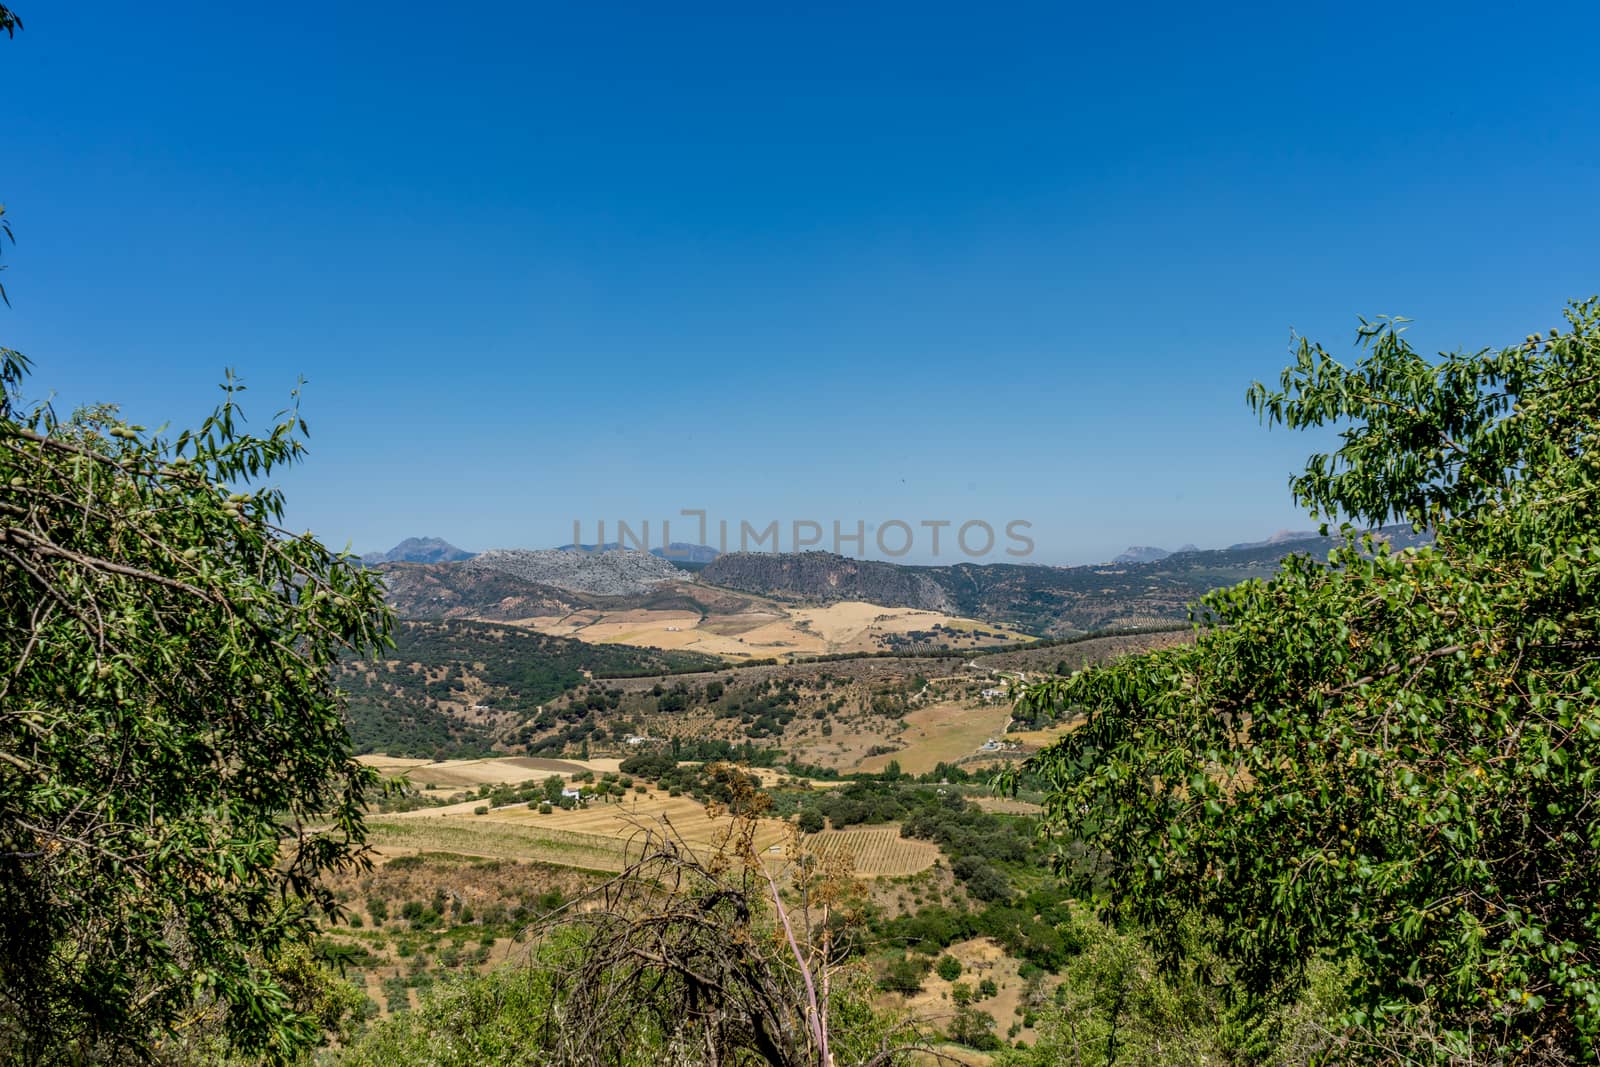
859	261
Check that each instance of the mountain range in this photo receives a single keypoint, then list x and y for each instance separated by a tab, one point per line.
1151	554
691	556
507	584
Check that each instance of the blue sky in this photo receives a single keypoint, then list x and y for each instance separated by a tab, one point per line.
860	262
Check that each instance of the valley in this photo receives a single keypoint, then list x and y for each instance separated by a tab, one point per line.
545	716
979	296
933	869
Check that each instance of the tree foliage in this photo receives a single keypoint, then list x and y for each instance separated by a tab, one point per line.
1388	758
713	956
175	774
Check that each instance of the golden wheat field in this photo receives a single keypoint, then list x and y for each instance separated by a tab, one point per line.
469	773
629	817
604	836
397	835
847	626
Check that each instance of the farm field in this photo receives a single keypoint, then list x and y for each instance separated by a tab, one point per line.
773	631
454	774
410	834
943	733
771	776
1006	806
875	851
600	836
1042	738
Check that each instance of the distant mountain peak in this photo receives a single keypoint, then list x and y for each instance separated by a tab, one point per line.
419	550
1282	537
1143	554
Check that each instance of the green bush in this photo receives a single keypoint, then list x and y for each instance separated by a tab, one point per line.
904	975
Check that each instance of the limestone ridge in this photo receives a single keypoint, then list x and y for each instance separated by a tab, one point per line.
620	572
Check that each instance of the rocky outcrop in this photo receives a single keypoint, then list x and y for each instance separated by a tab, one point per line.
677	551
623	572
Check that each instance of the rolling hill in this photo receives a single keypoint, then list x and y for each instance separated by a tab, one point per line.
519	585
1048	601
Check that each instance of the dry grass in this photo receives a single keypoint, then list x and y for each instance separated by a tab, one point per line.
1006	806
943	733
980	958
622	820
470	773
771	776
849	626
598	836
601	836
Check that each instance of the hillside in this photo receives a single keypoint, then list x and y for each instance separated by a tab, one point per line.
640	598
453	687
459	688
680	553
1049	601
823	576
450	590
509	583
618	572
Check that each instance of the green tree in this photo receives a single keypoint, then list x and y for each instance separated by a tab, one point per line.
552	786
1389	758
1115	1006
175	773
904	974
948	968
973	1028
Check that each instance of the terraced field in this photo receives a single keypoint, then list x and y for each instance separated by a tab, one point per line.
876	851
404	835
